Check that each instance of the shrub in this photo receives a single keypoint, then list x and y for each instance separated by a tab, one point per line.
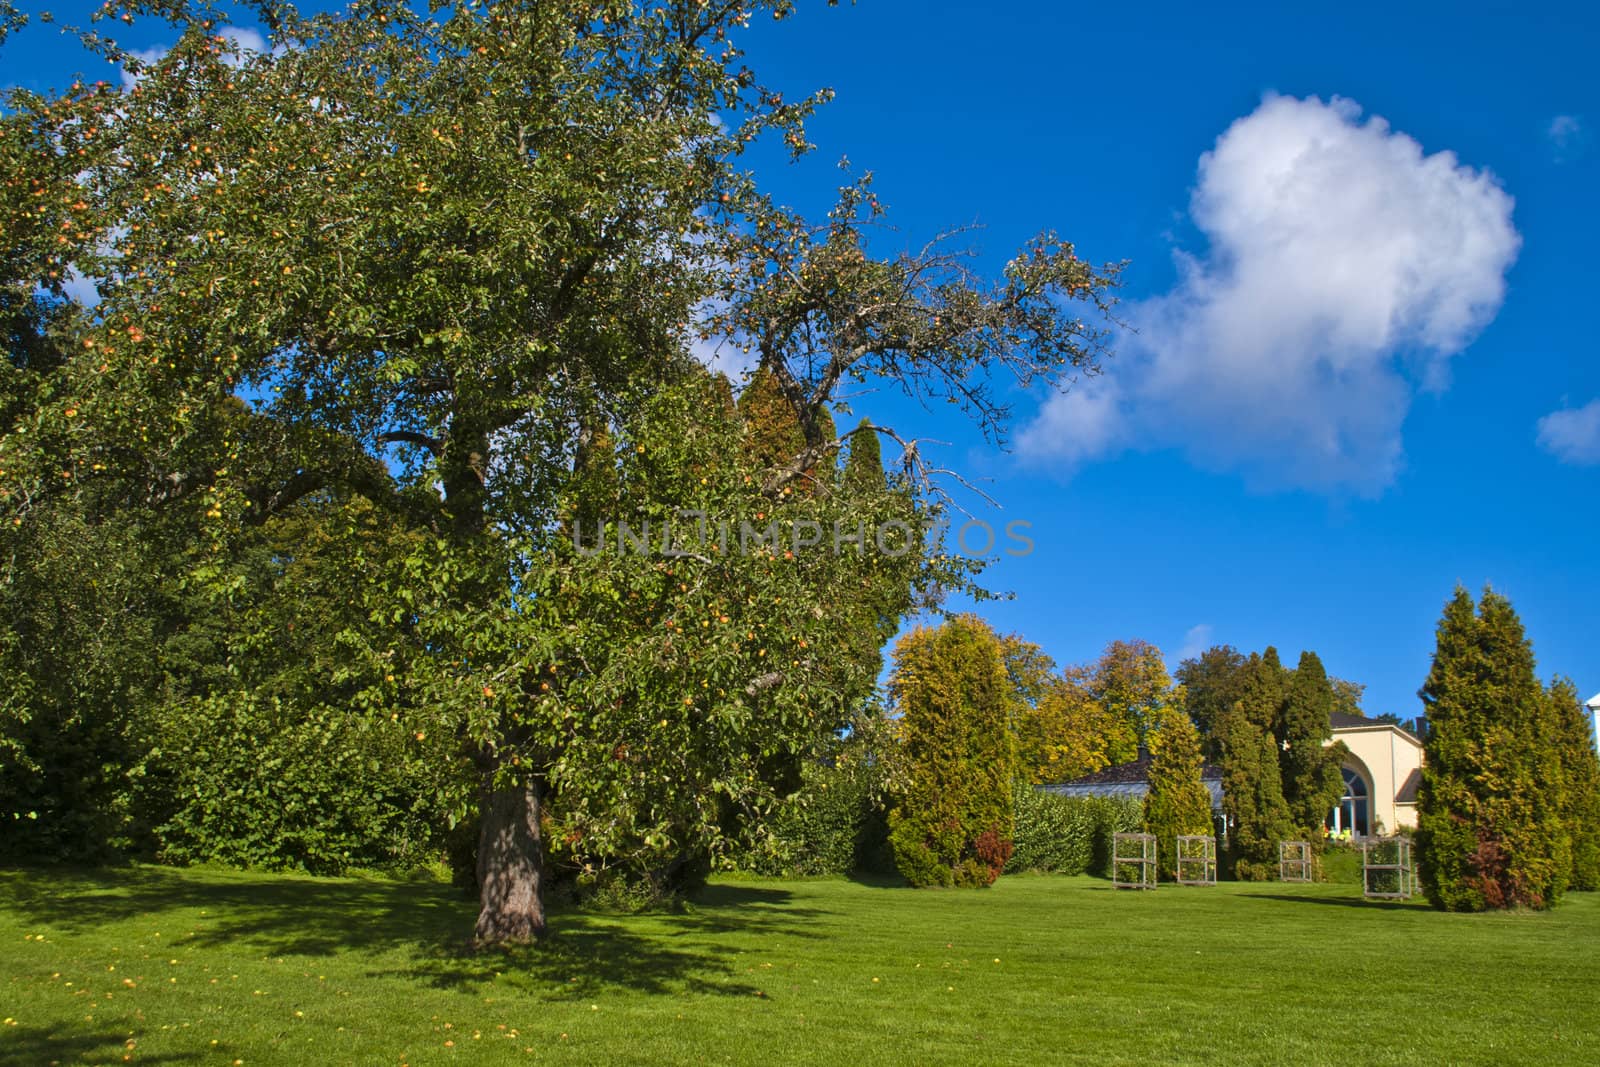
1383	851
1339	862
78	648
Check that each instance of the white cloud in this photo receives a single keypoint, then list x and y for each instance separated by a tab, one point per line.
1195	641
1568	134
1572	435
724	356
243	39
146	57
1563	128
1345	268
247	40
1078	425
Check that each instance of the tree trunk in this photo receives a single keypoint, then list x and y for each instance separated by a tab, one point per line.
510	866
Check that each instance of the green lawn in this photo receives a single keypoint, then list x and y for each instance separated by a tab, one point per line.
162	966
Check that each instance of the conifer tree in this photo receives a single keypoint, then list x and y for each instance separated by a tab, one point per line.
1580	769
1490	832
1212	683
772	433
1252	786
1178	801
1253	799
1265	689
953	823
1312	783
1447	805
863	467
775	435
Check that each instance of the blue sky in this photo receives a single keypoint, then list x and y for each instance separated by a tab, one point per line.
1331	413
1451	293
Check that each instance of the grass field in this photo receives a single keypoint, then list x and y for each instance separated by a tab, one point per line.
149	965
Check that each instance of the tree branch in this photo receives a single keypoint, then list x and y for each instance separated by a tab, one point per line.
434	445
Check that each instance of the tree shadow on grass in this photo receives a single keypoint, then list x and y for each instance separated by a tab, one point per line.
427	923
879	879
586	953
274	914
1344	902
74	1043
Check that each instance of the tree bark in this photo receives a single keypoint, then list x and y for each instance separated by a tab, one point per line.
510	865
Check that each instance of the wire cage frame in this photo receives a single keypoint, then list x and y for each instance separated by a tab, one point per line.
1388	869
1294	861
1133	856
1196	859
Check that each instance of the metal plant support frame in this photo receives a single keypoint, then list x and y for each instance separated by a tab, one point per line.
1294	861
1137	851
1197	859
1387	870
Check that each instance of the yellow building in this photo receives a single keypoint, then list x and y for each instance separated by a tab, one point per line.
1381	776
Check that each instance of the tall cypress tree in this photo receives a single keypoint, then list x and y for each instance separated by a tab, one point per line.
1490	832
1264	690
953	824
774	434
1312	783
863	467
1447	802
1178	801
1580	769
1252	785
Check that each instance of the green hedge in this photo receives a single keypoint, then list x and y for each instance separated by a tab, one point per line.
1068	835
251	782
830	826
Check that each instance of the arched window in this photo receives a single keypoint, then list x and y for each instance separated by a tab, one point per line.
1354	810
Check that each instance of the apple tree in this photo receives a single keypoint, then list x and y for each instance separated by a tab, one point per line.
450	262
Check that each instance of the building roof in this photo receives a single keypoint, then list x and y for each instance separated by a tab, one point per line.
1136	772
1594	701
1131	780
1341	720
